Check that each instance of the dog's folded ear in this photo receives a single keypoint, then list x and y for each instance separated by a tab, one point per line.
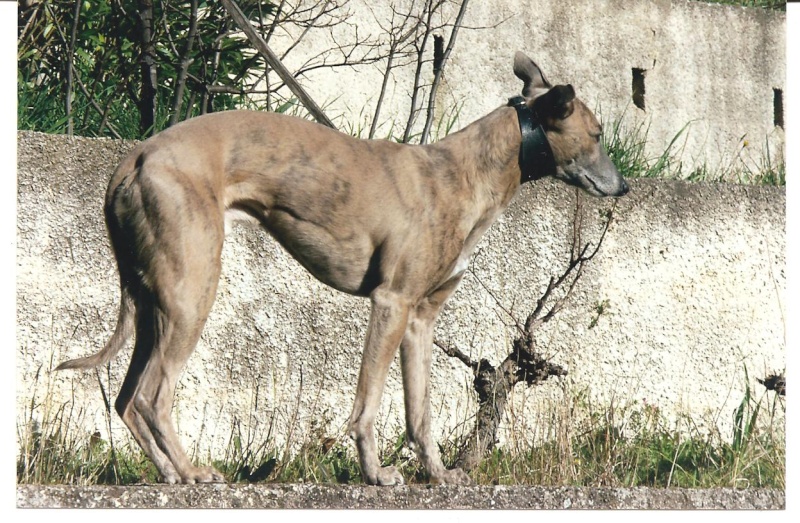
558	103
534	82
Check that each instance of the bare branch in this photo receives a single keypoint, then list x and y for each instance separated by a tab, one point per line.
398	36
230	89
186	61
165	25
776	382
492	26
453	352
439	70
275	63
106	109
32	18
346	56
274	23
425	22
314	22
578	259
498	303
210	73
95	105
524	364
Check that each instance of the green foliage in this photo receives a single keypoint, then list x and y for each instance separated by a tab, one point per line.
107	80
600	308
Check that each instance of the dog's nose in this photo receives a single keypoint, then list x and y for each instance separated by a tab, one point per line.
624	189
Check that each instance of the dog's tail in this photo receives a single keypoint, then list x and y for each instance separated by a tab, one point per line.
121	335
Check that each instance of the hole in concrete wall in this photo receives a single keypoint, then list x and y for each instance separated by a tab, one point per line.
637	87
777	107
438	53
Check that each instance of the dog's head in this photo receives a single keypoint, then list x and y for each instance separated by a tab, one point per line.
572	131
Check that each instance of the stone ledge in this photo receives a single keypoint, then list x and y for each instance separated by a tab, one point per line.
315	496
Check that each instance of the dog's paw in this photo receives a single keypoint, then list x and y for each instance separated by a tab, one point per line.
385	476
203	475
170	479
454	476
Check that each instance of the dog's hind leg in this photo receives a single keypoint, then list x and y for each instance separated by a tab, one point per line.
165	338
146	336
387	323
175	262
415	358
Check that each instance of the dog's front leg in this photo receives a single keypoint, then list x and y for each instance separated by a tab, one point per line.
415	357
387	324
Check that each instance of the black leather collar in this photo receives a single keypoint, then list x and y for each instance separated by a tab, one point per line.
535	155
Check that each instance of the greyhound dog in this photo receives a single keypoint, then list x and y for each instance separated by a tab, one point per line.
393	222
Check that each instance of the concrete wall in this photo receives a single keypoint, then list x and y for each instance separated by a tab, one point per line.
711	69
693	276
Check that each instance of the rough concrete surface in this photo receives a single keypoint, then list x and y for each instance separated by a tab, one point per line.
310	496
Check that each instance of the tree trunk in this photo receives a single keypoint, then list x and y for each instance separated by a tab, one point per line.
492	385
70	65
147	99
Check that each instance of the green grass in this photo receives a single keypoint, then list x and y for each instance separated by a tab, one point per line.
627	145
630	445
635	448
55	452
627	148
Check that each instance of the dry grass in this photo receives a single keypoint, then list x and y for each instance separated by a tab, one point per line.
624	444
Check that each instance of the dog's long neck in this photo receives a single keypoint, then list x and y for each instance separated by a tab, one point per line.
486	156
